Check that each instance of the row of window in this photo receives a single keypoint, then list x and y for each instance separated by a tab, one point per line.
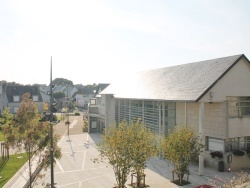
238	106
228	145
17	98
159	117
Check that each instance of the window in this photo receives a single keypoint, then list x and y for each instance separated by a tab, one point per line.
93	101
215	144
15	109
238	106
16	98
240	143
35	98
136	110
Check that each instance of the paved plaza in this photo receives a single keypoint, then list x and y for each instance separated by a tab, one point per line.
77	170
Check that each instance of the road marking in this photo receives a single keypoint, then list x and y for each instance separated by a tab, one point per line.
66	185
73	124
62	137
83	162
59	165
80	184
71	171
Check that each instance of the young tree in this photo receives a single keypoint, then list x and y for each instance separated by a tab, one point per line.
128	147
116	146
6	118
27	133
180	147
144	147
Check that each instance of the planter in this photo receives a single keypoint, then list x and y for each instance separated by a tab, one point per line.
238	152
217	154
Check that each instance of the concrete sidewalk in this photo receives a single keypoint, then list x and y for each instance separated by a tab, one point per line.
76	168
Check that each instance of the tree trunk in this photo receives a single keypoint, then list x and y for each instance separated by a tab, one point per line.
138	183
180	176
30	174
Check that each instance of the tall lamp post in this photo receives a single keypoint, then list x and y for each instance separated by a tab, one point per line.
51	129
67	102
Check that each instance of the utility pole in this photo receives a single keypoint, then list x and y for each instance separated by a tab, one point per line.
51	129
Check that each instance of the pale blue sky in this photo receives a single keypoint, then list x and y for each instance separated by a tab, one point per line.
93	41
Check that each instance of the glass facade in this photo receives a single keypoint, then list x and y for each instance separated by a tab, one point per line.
158	116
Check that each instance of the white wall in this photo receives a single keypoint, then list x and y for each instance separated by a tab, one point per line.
235	83
239	127
109	110
81	99
215	118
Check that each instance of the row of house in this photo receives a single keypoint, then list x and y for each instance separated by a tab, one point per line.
11	95
212	96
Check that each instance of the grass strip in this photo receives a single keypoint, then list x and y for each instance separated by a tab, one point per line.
11	166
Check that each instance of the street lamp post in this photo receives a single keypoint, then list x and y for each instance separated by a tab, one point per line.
67	102
51	129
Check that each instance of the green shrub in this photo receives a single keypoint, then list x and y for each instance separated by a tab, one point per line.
238	152
77	114
218	154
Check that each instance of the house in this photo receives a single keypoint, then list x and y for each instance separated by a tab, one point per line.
12	97
83	95
69	91
212	96
82	100
2	102
44	88
45	97
100	88
96	111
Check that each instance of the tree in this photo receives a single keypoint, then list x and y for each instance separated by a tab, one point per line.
27	133
144	147
45	106
62	81
4	82
6	118
59	95
180	147
70	106
116	146
128	147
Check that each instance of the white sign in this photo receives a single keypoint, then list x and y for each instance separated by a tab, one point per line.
93	124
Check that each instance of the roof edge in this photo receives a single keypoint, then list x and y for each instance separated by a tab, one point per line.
229	68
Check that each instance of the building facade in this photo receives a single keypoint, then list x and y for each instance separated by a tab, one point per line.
211	96
11	97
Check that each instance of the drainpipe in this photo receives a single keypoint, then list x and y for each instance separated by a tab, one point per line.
143	112
201	135
160	125
186	114
159	117
129	111
163	119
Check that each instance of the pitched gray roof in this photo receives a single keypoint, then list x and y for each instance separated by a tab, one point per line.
100	88
20	90
187	82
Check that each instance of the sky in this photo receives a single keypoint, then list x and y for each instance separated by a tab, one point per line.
94	41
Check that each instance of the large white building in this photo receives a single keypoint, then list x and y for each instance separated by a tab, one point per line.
213	96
